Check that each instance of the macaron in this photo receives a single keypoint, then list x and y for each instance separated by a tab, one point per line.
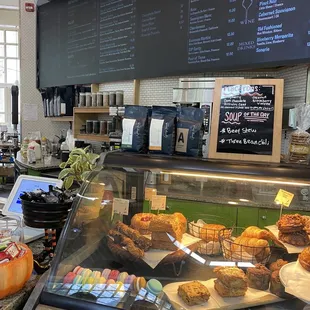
154	286
120	285
114	275
68	279
96	274
110	281
80	270
102	280
90	280
76	269
78	279
122	277
84	280
129	280
139	283
86	273
105	273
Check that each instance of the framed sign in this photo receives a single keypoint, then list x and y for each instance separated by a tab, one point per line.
247	120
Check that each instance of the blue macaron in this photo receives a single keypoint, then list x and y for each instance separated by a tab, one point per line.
154	286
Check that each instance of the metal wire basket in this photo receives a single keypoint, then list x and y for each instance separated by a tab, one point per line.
209	233
239	252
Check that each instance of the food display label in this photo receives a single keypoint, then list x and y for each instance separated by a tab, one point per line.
149	193
181	140
156	130
246	119
121	206
284	198
159	202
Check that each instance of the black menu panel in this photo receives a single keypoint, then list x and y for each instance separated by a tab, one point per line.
246	119
85	41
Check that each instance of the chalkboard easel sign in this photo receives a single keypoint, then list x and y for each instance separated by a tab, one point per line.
247	120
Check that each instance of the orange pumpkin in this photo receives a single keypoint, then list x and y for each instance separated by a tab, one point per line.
15	274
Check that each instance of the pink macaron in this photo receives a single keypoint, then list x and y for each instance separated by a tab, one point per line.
105	273
114	275
69	278
77	269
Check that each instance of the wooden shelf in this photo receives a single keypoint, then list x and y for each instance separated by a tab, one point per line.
91	110
61	119
97	138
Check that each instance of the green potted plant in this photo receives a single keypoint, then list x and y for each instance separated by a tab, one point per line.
78	166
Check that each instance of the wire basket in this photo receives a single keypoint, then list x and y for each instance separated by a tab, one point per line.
237	252
208	230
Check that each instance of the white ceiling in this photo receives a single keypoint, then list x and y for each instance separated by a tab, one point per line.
10	2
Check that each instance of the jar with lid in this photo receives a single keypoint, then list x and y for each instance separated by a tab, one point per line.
96	127
103	127
119	98
82	100
110	127
88	99
106	99
94	99
89	127
112	97
99	99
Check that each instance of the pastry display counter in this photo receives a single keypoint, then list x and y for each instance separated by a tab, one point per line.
177	233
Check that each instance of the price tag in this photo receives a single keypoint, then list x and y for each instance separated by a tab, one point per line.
149	193
284	198
120	206
158	203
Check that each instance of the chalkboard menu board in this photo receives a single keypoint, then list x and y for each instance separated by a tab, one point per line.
93	41
247	120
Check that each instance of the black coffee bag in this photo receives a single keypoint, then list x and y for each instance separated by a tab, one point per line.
189	132
162	130
135	129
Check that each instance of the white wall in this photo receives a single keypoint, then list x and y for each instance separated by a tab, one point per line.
28	90
9	17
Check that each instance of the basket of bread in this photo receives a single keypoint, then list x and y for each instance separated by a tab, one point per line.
208	232
148	233
253	245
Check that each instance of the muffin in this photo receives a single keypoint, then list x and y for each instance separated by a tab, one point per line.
258	277
276	286
277	265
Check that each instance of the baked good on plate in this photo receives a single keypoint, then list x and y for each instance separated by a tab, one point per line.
193	293
290	223
277	265
297	238
210	232
304	258
258	277
276	286
230	282
141	222
255	232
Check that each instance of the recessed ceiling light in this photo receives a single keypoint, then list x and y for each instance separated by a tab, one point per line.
232	202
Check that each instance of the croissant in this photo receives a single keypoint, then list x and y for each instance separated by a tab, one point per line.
252	246
255	232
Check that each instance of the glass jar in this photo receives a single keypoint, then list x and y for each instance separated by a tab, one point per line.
106	99
88	99
89	127
119	98
112	97
99	99
96	127
82	100
94	99
103	128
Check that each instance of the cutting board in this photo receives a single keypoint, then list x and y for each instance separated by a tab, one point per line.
252	298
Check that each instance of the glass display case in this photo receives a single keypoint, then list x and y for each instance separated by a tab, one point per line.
144	225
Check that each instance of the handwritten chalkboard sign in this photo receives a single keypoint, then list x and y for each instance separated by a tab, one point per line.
247	120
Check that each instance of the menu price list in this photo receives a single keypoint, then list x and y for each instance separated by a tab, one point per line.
246	119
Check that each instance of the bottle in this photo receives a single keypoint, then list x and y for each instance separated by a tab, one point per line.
31	155
24	148
43	147
37	149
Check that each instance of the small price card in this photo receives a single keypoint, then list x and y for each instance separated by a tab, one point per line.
120	206
159	202
149	193
284	198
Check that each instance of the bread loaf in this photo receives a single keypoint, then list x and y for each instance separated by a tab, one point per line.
253	246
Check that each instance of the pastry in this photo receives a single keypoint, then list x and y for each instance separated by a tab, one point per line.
139	283
252	246
167	223
276	286
129	280
141	222
306	221
96	274
193	293
154	287
105	273
258	277
277	265
304	258
69	278
122	277
210	232
169	246
90	280
290	223
86	273
297	238
113	275
141	242
77	269
102	280
230	282
166	237
182	221
255	232
78	279
84	280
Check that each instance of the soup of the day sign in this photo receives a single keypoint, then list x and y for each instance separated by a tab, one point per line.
247	120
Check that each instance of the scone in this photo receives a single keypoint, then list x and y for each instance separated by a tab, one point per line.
277	265
298	238
193	293
290	223
231	282
304	258
258	277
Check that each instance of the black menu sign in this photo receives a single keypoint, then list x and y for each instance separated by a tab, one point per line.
246	119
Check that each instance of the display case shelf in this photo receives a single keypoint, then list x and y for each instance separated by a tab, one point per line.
62	119
97	138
